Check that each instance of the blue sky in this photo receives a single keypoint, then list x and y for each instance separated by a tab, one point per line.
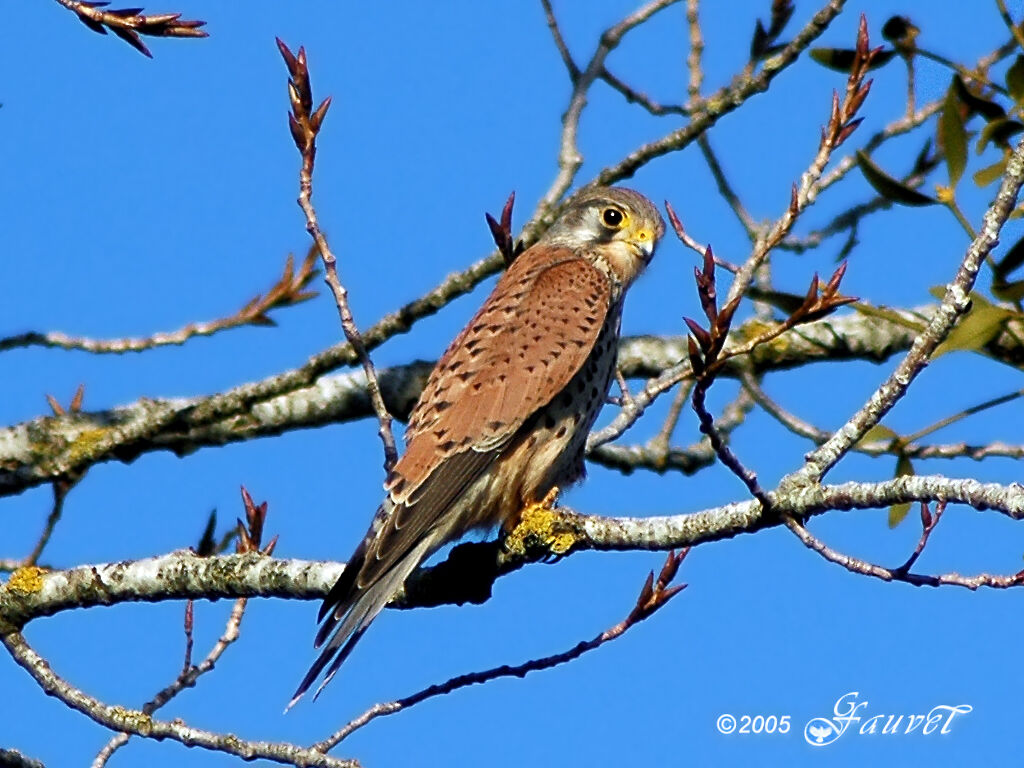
140	195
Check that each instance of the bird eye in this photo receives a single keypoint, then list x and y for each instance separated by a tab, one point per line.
612	217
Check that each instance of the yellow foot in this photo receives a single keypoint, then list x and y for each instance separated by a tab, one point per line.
540	526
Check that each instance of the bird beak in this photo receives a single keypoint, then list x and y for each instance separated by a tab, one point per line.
644	241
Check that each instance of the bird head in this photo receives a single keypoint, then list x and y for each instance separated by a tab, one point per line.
614	226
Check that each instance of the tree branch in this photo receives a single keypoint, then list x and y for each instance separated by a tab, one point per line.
471	569
289	289
137	723
75	442
954	304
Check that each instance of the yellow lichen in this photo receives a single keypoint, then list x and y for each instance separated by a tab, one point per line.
26	580
541	526
84	446
135	719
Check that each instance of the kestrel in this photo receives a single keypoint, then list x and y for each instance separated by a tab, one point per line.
504	416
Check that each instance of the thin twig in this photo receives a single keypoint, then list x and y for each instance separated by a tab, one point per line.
928	523
693	58
971	411
291	288
954	304
725	188
842	122
1015	29
661	442
865	568
129	23
569	158
725	100
121	719
653	595
634	96
563	49
902	446
61	488
305	125
625	397
850	219
725	454
790	421
186	679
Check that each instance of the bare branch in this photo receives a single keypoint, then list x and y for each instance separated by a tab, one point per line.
123	720
12	758
61	488
472	568
569	157
693	58
652	597
75	442
291	288
902	573
954	304
187	679
634	96
841	124
724	100
305	125
563	49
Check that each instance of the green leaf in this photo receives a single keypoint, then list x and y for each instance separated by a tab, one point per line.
982	323
898	512
1015	78
841	59
999	132
877	434
977	105
987	175
1008	291
952	136
787	302
1013	259
887	186
889	315
923	163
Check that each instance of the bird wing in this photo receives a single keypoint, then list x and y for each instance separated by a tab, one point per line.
522	348
519	351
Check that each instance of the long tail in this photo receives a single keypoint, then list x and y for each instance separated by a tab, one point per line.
349	609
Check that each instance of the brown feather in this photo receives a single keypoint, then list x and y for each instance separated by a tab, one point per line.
512	368
530	338
524	345
505	413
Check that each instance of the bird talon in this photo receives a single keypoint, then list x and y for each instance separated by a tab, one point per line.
541	527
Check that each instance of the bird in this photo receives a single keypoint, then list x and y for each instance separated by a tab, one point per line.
504	416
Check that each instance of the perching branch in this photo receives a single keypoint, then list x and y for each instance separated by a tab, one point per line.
471	569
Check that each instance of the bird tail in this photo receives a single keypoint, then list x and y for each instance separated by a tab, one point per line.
350	607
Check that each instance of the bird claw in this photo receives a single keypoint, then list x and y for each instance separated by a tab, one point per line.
543	528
